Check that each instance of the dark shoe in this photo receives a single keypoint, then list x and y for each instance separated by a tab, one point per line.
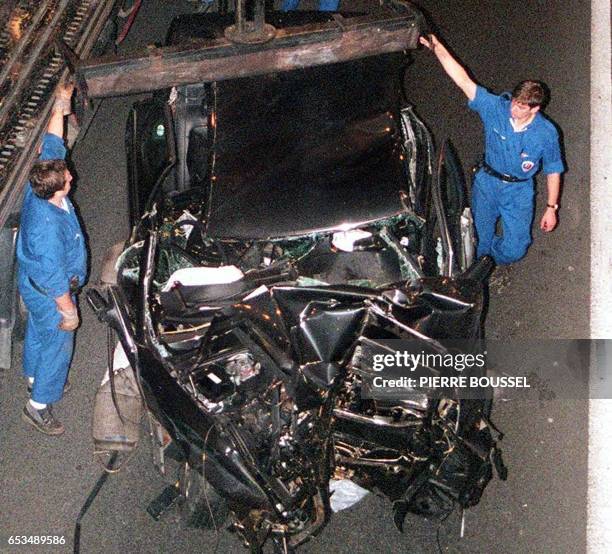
67	387
43	420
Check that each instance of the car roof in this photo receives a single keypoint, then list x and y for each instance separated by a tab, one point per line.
305	150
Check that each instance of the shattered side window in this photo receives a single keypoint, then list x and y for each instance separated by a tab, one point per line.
128	264
418	149
171	258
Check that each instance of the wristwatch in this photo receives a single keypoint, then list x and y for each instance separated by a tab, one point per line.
553	206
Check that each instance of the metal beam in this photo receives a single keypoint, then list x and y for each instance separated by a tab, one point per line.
219	59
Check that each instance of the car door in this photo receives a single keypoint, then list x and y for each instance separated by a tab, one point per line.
150	151
449	239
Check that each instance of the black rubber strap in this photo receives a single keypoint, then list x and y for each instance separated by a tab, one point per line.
92	496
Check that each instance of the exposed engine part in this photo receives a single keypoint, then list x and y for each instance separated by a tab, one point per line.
242	367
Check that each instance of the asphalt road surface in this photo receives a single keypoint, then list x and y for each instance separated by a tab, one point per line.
541	508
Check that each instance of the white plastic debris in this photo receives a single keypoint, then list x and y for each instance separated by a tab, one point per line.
345	240
345	494
262	289
195	276
188	227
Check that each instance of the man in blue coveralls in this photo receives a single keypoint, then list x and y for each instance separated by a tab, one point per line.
324	5
518	138
52	266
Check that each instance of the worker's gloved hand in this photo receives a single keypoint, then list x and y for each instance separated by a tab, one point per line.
63	95
70	320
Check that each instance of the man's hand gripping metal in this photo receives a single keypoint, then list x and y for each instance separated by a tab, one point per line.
63	96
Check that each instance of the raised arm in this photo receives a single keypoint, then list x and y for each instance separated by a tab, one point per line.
61	108
452	67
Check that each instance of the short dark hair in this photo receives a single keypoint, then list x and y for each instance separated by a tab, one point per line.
532	93
47	177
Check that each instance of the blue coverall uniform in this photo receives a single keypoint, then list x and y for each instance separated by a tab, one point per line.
50	250
518	154
324	5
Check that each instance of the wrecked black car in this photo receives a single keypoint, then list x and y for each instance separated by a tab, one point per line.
285	226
